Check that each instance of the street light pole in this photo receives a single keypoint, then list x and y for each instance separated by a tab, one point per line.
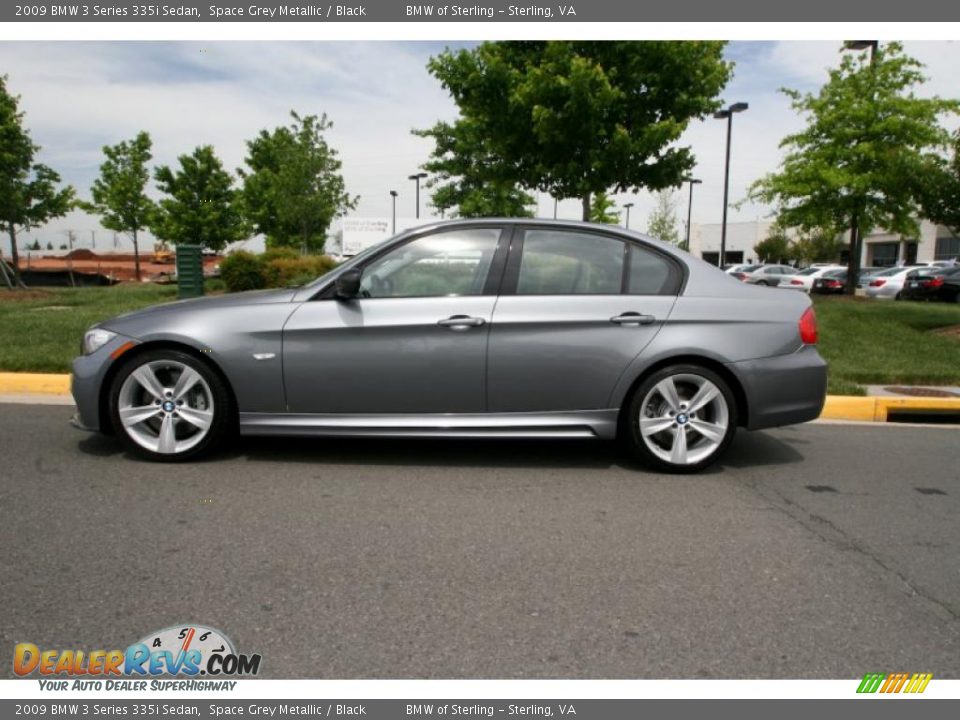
416	178
692	181
628	206
728	116
393	195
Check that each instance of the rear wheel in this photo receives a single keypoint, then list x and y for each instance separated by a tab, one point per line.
167	405
682	418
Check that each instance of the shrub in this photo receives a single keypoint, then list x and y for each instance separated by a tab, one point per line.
284	272
242	270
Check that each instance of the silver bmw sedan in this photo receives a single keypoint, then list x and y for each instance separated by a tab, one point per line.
472	328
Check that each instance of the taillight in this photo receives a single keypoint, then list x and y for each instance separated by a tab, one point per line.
932	282
877	283
808	327
740	276
796	282
832	283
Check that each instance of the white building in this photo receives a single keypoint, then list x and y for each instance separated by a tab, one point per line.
353	234
881	249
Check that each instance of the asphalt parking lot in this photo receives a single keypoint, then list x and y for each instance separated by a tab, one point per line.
819	551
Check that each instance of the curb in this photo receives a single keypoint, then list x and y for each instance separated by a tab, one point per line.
836	407
34	383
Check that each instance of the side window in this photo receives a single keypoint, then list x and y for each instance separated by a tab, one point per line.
455	262
560	262
651	273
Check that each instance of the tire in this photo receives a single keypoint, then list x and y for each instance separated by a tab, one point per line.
185	422
763	282
651	402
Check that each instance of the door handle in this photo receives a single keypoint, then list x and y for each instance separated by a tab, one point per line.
633	318
461	322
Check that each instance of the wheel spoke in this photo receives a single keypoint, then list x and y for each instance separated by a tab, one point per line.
199	418
710	431
678	453
651	426
668	391
148	381
188	378
167	439
134	415
707	393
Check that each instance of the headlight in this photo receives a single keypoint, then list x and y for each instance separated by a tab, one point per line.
94	339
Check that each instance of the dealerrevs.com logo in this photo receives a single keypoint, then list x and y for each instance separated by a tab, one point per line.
180	651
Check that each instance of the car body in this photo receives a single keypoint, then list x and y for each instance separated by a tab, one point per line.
832	282
471	328
935	283
766	275
803	280
738	269
887	284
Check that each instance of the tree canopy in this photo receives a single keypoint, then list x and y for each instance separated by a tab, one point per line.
858	161
292	185
29	192
119	193
577	118
603	210
663	219
941	189
201	205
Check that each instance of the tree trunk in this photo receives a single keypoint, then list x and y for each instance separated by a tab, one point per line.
853	264
586	207
14	256
136	256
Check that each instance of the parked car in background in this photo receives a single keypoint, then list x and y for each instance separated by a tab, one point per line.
832	282
888	284
866	274
803	280
769	275
935	283
486	328
735	269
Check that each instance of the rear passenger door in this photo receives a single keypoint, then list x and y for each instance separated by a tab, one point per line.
575	308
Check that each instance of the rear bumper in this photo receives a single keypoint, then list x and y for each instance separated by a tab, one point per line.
783	390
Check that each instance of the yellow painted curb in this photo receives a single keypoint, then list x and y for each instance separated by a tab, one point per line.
836	407
877	409
34	383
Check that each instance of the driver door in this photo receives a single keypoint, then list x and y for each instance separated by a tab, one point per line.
415	339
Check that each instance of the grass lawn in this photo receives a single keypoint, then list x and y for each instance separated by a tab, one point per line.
865	341
874	342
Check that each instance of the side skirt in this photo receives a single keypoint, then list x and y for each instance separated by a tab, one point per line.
576	424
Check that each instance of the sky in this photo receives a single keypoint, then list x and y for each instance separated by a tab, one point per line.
79	96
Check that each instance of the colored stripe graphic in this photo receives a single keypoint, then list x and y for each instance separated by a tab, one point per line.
894	682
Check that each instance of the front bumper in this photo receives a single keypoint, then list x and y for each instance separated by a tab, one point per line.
783	390
86	383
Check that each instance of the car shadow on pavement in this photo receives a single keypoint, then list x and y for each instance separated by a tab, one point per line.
749	449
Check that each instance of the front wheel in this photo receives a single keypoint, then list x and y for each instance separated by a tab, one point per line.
168	406
682	418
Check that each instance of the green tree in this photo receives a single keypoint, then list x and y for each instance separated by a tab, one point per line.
774	248
602	210
464	175
578	118
201	207
292	186
119	194
940	187
663	223
856	164
29	196
816	246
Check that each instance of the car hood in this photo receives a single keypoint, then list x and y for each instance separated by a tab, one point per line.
253	297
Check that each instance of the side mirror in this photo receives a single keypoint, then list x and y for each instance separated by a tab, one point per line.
348	284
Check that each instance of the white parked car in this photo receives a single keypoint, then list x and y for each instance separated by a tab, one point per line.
888	284
803	280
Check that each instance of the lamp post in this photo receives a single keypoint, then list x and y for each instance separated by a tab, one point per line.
416	178
393	195
627	206
728	116
856	240
692	181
